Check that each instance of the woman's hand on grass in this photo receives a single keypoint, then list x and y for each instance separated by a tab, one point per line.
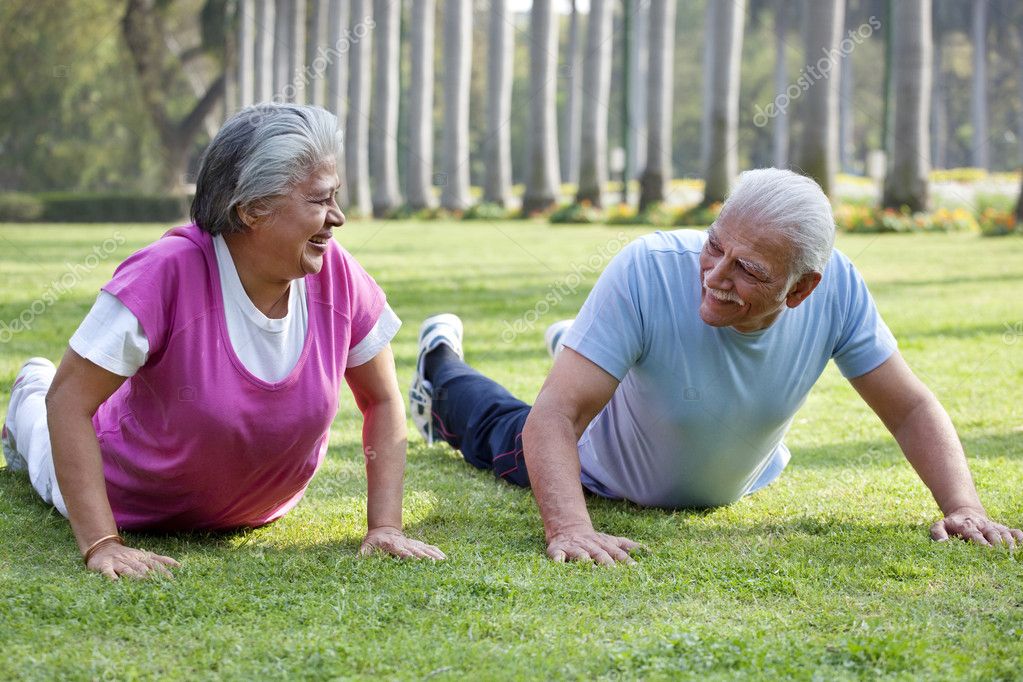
394	542
975	526
115	560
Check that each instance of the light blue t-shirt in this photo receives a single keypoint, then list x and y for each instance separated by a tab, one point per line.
700	413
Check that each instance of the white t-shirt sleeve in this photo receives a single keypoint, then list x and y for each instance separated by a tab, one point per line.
379	336
110	336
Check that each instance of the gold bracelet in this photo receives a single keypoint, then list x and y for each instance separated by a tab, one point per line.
99	543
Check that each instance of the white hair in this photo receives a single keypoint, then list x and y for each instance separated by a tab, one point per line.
790	204
262	151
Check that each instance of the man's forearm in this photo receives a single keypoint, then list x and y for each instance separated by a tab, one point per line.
929	441
552	458
384	442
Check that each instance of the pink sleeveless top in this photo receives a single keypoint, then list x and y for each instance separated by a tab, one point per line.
194	440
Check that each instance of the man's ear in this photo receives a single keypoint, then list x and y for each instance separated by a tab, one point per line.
803	287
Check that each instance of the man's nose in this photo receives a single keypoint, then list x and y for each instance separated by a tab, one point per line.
717	274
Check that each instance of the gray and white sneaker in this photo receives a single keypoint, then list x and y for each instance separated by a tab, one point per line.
552	337
445	328
15	462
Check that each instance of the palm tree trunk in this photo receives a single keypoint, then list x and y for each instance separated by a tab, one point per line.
1019	206
543	181
499	91
571	113
906	182
296	54
595	103
819	145
246	52
939	109
282	38
420	118
383	127
721	105
638	60
264	58
317	27
357	146
845	114
338	46
781	83
660	68
978	102
457	71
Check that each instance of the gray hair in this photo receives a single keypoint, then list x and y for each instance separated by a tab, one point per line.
790	204
261	152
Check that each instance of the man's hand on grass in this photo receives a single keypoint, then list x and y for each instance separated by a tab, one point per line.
589	545
392	541
974	526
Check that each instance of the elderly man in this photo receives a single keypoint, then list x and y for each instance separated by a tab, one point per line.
675	385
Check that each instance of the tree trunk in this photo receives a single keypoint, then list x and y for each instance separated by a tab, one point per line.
264	58
721	107
596	93
420	116
384	124
573	90
316	46
296	87
939	109
846	146
339	44
978	102
143	30
357	147
781	84
906	182
246	53
819	107
282	39
499	91
457	71
638	60
660	68
1019	207
543	181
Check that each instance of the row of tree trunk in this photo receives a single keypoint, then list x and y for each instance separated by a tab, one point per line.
272	65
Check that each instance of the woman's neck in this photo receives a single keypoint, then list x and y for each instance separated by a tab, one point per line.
268	294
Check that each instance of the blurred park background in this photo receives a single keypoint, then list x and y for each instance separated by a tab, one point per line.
470	109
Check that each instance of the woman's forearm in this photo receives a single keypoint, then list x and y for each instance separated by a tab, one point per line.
384	442
79	468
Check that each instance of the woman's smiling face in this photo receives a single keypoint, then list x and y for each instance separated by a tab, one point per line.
294	235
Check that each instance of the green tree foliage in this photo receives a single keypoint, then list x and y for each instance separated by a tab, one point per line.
70	115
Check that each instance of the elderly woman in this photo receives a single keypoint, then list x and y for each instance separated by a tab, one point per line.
199	391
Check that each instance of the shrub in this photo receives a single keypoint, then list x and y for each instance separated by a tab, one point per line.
995	223
486	211
621	214
701	216
66	207
16	207
583	213
862	219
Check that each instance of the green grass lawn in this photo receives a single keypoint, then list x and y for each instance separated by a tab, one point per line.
827	573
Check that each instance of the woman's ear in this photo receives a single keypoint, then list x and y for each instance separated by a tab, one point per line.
248	216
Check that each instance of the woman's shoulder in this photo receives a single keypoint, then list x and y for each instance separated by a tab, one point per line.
180	248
